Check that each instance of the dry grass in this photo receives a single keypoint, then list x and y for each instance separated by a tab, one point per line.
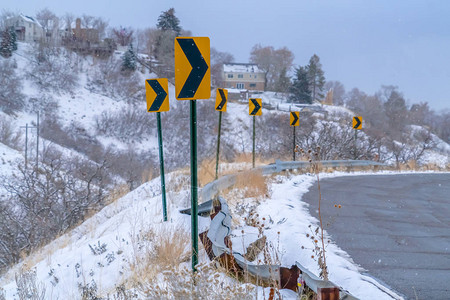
179	180
206	283
247	158
206	171
156	250
243	161
115	194
148	175
252	183
413	165
159	269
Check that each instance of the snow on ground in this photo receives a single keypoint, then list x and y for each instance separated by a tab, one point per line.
70	259
9	160
287	222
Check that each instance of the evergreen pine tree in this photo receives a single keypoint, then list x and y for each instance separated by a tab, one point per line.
316	78
129	59
5	43
300	87
13	39
283	83
168	21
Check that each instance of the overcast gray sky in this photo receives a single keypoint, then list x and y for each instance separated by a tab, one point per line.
363	44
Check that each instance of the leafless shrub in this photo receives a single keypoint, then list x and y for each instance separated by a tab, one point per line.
410	146
45	103
54	69
46	201
127	125
336	138
2	294
130	165
11	98
27	287
313	156
73	137
8	136
110	80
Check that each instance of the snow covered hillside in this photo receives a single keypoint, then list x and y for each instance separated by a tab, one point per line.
110	249
83	216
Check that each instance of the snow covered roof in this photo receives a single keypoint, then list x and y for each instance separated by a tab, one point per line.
27	19
241	68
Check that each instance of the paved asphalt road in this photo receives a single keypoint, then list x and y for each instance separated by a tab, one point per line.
397	227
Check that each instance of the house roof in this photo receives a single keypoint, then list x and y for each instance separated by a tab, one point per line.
27	19
240	68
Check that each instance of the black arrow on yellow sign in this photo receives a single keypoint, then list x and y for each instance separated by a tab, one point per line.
223	100
294	118
199	68
255	111
160	95
357	122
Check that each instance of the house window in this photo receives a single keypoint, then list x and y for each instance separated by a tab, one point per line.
255	76
230	75
239	85
252	85
240	75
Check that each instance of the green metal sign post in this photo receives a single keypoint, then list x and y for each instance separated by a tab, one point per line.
254	109
357	125
157	94
194	187
193	82
253	151
293	147
218	145
294	122
161	166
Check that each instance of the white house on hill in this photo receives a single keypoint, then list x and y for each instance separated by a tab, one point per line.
243	76
27	28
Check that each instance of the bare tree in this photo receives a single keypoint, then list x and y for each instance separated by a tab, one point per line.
338	92
272	62
45	202
218	58
4	15
50	24
123	36
8	135
68	21
54	69
11	98
100	25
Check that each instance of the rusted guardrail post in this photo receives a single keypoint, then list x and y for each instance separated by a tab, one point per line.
328	293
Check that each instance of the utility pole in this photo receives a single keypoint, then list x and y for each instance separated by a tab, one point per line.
26	142
37	141
26	146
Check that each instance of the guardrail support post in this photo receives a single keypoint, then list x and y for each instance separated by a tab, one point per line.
330	293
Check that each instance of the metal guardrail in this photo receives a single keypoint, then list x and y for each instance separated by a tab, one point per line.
315	283
220	226
210	190
219	229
